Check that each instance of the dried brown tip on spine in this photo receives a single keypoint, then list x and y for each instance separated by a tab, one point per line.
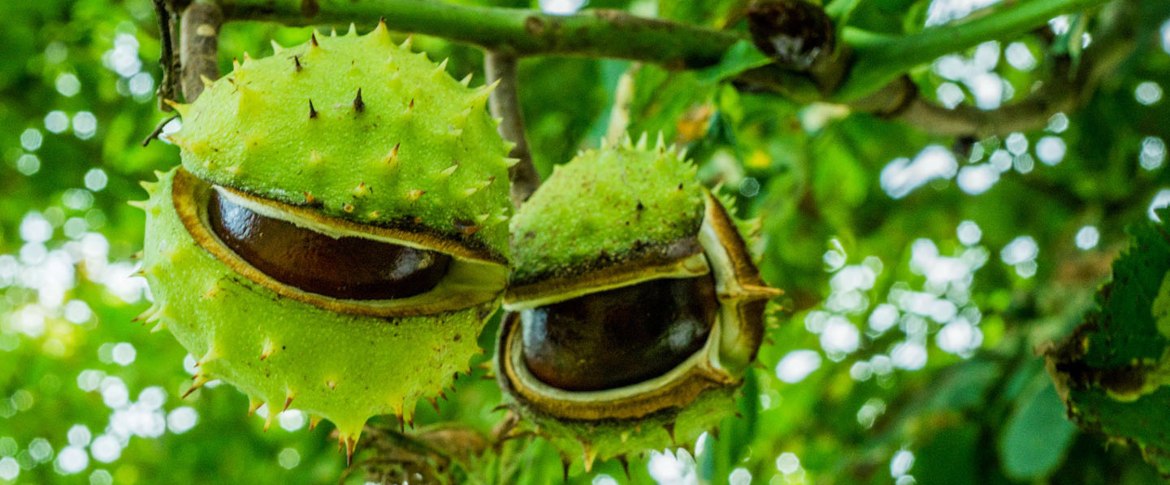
313	39
392	157
200	380
312	110
350	447
297	62
358	104
669	427
253	405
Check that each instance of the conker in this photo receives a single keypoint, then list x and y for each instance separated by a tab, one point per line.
619	337
346	267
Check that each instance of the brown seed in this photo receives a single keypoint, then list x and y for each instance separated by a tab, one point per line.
346	267
619	337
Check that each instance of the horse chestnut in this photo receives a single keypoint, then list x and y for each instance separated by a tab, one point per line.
337	233
634	307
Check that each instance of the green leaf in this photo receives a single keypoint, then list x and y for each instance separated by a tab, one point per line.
735	434
949	457
1113	369
1037	435
557	124
840	181
965	387
741	57
661	99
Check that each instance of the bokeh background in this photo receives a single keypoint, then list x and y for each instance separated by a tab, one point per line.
921	271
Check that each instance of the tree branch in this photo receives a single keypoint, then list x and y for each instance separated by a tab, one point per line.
594	33
873	79
167	62
1070	86
968	120
880	60
199	47
505	104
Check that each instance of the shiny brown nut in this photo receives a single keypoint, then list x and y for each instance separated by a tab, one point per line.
345	267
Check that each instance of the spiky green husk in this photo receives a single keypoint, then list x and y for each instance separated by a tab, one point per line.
418	148
605	206
341	367
604	440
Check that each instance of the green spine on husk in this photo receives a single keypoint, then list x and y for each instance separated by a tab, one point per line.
366	129
603	207
594	441
282	352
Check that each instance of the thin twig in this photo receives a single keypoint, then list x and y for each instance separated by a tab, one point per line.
158	129
505	103
623	99
524	32
866	72
199	47
166	62
614	34
1069	86
881	59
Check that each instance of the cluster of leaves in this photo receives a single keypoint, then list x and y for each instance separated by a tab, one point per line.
1111	371
846	243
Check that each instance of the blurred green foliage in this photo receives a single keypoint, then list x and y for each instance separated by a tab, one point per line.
921	272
